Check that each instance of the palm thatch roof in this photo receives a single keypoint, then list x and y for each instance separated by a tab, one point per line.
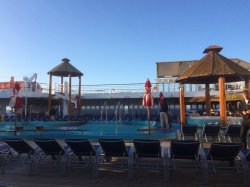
65	69
212	66
176	68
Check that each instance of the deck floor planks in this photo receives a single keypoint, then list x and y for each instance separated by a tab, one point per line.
113	180
17	176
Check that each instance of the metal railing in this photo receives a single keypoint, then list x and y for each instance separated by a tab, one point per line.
43	88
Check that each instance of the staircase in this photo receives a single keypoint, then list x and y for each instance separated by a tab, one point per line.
64	104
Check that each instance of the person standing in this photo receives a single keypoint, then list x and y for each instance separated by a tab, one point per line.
244	109
164	114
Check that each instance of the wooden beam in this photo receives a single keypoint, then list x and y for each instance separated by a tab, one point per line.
182	105
79	98
207	99
69	101
222	99
61	84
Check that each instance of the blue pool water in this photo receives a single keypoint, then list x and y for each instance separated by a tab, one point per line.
90	130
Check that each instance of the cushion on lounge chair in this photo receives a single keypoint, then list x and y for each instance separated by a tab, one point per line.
20	146
187	149
147	148
223	151
114	147
81	147
50	146
189	130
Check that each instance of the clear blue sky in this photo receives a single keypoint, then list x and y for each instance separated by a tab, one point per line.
117	41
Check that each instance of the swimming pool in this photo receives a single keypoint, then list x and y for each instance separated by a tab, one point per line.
90	130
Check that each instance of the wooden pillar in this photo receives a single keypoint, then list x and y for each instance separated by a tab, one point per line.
69	101
207	99
222	99
247	82
182	105
61	84
49	99
79	98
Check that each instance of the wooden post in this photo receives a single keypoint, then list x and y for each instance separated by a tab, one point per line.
182	105
69	101
79	98
247	82
222	98
207	99
61	84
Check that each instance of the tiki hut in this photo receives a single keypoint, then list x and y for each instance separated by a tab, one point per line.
65	69
212	68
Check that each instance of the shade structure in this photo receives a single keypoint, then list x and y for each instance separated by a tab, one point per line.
210	67
65	69
214	68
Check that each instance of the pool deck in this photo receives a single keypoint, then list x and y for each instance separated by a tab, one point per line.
76	177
